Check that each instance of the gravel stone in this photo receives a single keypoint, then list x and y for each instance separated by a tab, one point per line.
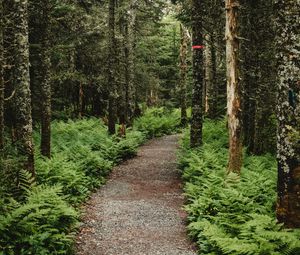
139	210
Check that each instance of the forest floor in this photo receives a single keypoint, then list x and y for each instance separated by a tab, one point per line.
139	210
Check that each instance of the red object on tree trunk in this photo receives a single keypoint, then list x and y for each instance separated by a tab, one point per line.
198	46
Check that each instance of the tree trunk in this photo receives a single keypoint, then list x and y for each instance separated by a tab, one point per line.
1	79
45	82
197	107
112	85
211	88
22	102
258	72
40	69
288	114
80	101
129	60
183	74
233	87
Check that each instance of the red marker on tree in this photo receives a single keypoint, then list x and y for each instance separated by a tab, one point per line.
198	46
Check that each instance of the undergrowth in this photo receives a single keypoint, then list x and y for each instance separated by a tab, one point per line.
229	214
158	121
42	217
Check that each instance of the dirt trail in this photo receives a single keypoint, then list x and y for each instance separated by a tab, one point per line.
138	211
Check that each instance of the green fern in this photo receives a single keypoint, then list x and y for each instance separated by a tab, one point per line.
229	214
43	220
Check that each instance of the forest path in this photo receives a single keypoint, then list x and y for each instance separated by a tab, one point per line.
139	210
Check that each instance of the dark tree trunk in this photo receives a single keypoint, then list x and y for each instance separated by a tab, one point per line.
80	101
40	69
112	86
22	102
1	79
129	61
45	82
233	86
288	45
197	107
183	74
258	72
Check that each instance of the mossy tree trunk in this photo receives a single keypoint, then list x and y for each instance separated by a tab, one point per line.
197	107
233	86
121	69
183	74
129	60
1	79
45	85
40	64
211	87
22	102
111	69
288	143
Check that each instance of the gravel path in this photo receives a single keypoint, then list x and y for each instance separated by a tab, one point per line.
138	211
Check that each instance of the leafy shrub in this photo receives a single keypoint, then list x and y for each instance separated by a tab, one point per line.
43	224
42	219
158	121
229	214
68	174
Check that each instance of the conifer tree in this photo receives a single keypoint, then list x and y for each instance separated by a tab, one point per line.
288	112
233	86
40	67
1	79
197	107
22	102
211	88
183	74
113	92
130	60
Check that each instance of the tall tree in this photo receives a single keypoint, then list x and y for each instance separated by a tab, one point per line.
22	102
258	76
129	60
288	112
113	92
197	107
233	86
1	79
40	59
211	87
183	74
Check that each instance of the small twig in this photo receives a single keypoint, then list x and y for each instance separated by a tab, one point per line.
11	96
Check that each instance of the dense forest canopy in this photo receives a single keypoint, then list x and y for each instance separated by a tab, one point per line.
71	69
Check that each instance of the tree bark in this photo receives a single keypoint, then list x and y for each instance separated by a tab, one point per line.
40	64
258	72
129	60
80	101
112	84
1	79
45	82
211	88
233	87
22	102
183	74
197	107
288	112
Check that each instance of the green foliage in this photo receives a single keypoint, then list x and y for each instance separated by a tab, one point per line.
158	121
43	224
229	214
42	218
82	155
